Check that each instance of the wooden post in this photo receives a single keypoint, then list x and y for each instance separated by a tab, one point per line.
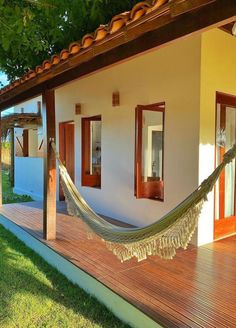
49	132
12	166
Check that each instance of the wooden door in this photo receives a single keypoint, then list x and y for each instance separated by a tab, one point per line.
225	192
67	149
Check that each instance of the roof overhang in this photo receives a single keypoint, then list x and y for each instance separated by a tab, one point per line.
173	21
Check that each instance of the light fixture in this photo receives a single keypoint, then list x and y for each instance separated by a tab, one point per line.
77	109
234	29
115	98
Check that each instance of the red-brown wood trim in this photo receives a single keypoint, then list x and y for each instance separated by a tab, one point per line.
41	144
25	148
67	150
70	148
87	179
49	133
139	185
179	7
226	228
225	99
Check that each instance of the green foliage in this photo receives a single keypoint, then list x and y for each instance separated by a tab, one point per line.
34	295
33	30
8	195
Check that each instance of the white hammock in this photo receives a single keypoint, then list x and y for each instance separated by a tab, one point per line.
163	237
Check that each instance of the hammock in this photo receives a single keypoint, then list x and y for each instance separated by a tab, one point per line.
162	238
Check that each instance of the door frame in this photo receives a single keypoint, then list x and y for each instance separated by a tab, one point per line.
62	152
221	229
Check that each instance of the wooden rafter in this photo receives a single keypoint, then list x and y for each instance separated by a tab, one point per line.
20	120
228	27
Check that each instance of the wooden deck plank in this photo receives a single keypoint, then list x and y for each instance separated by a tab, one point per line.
196	289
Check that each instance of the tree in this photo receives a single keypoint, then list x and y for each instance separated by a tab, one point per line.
33	30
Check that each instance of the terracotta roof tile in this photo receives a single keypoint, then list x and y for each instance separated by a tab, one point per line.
102	33
55	59
64	54
74	48
87	40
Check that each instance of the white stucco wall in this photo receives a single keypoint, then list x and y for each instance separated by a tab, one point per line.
29	177
29	106
170	74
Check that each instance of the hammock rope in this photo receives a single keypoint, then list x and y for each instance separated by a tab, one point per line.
163	237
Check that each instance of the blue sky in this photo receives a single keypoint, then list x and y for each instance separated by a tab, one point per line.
3	78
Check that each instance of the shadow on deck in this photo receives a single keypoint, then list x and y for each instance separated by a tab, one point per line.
196	289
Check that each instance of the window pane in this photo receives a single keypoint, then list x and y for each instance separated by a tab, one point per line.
152	144
95	156
91	151
149	151
230	168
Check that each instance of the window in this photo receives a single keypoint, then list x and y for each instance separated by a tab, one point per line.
22	142
91	151
149	151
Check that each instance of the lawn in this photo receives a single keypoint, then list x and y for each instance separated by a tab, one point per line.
33	294
8	195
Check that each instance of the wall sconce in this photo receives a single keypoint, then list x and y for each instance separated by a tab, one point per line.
77	109
115	98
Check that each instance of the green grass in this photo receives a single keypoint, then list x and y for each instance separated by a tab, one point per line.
8	195
33	294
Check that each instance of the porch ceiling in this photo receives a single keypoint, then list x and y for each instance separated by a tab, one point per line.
144	27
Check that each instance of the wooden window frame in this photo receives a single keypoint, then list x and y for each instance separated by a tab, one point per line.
25	148
139	185
88	180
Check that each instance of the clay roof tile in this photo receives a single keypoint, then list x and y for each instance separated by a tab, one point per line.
64	54
55	59
118	22
74	48
101	33
87	40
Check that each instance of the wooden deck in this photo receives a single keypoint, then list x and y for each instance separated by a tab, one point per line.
196	289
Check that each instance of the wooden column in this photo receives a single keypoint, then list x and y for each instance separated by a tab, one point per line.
12	166
49	132
0	160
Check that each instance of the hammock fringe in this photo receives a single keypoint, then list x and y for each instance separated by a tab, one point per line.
162	238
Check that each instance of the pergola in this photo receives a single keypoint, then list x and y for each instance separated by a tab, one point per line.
144	28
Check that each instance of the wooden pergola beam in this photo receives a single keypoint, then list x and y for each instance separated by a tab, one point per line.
185	18
49	133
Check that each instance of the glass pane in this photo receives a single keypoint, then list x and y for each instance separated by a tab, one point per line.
225	138
152	153
219	145
230	168
95	155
